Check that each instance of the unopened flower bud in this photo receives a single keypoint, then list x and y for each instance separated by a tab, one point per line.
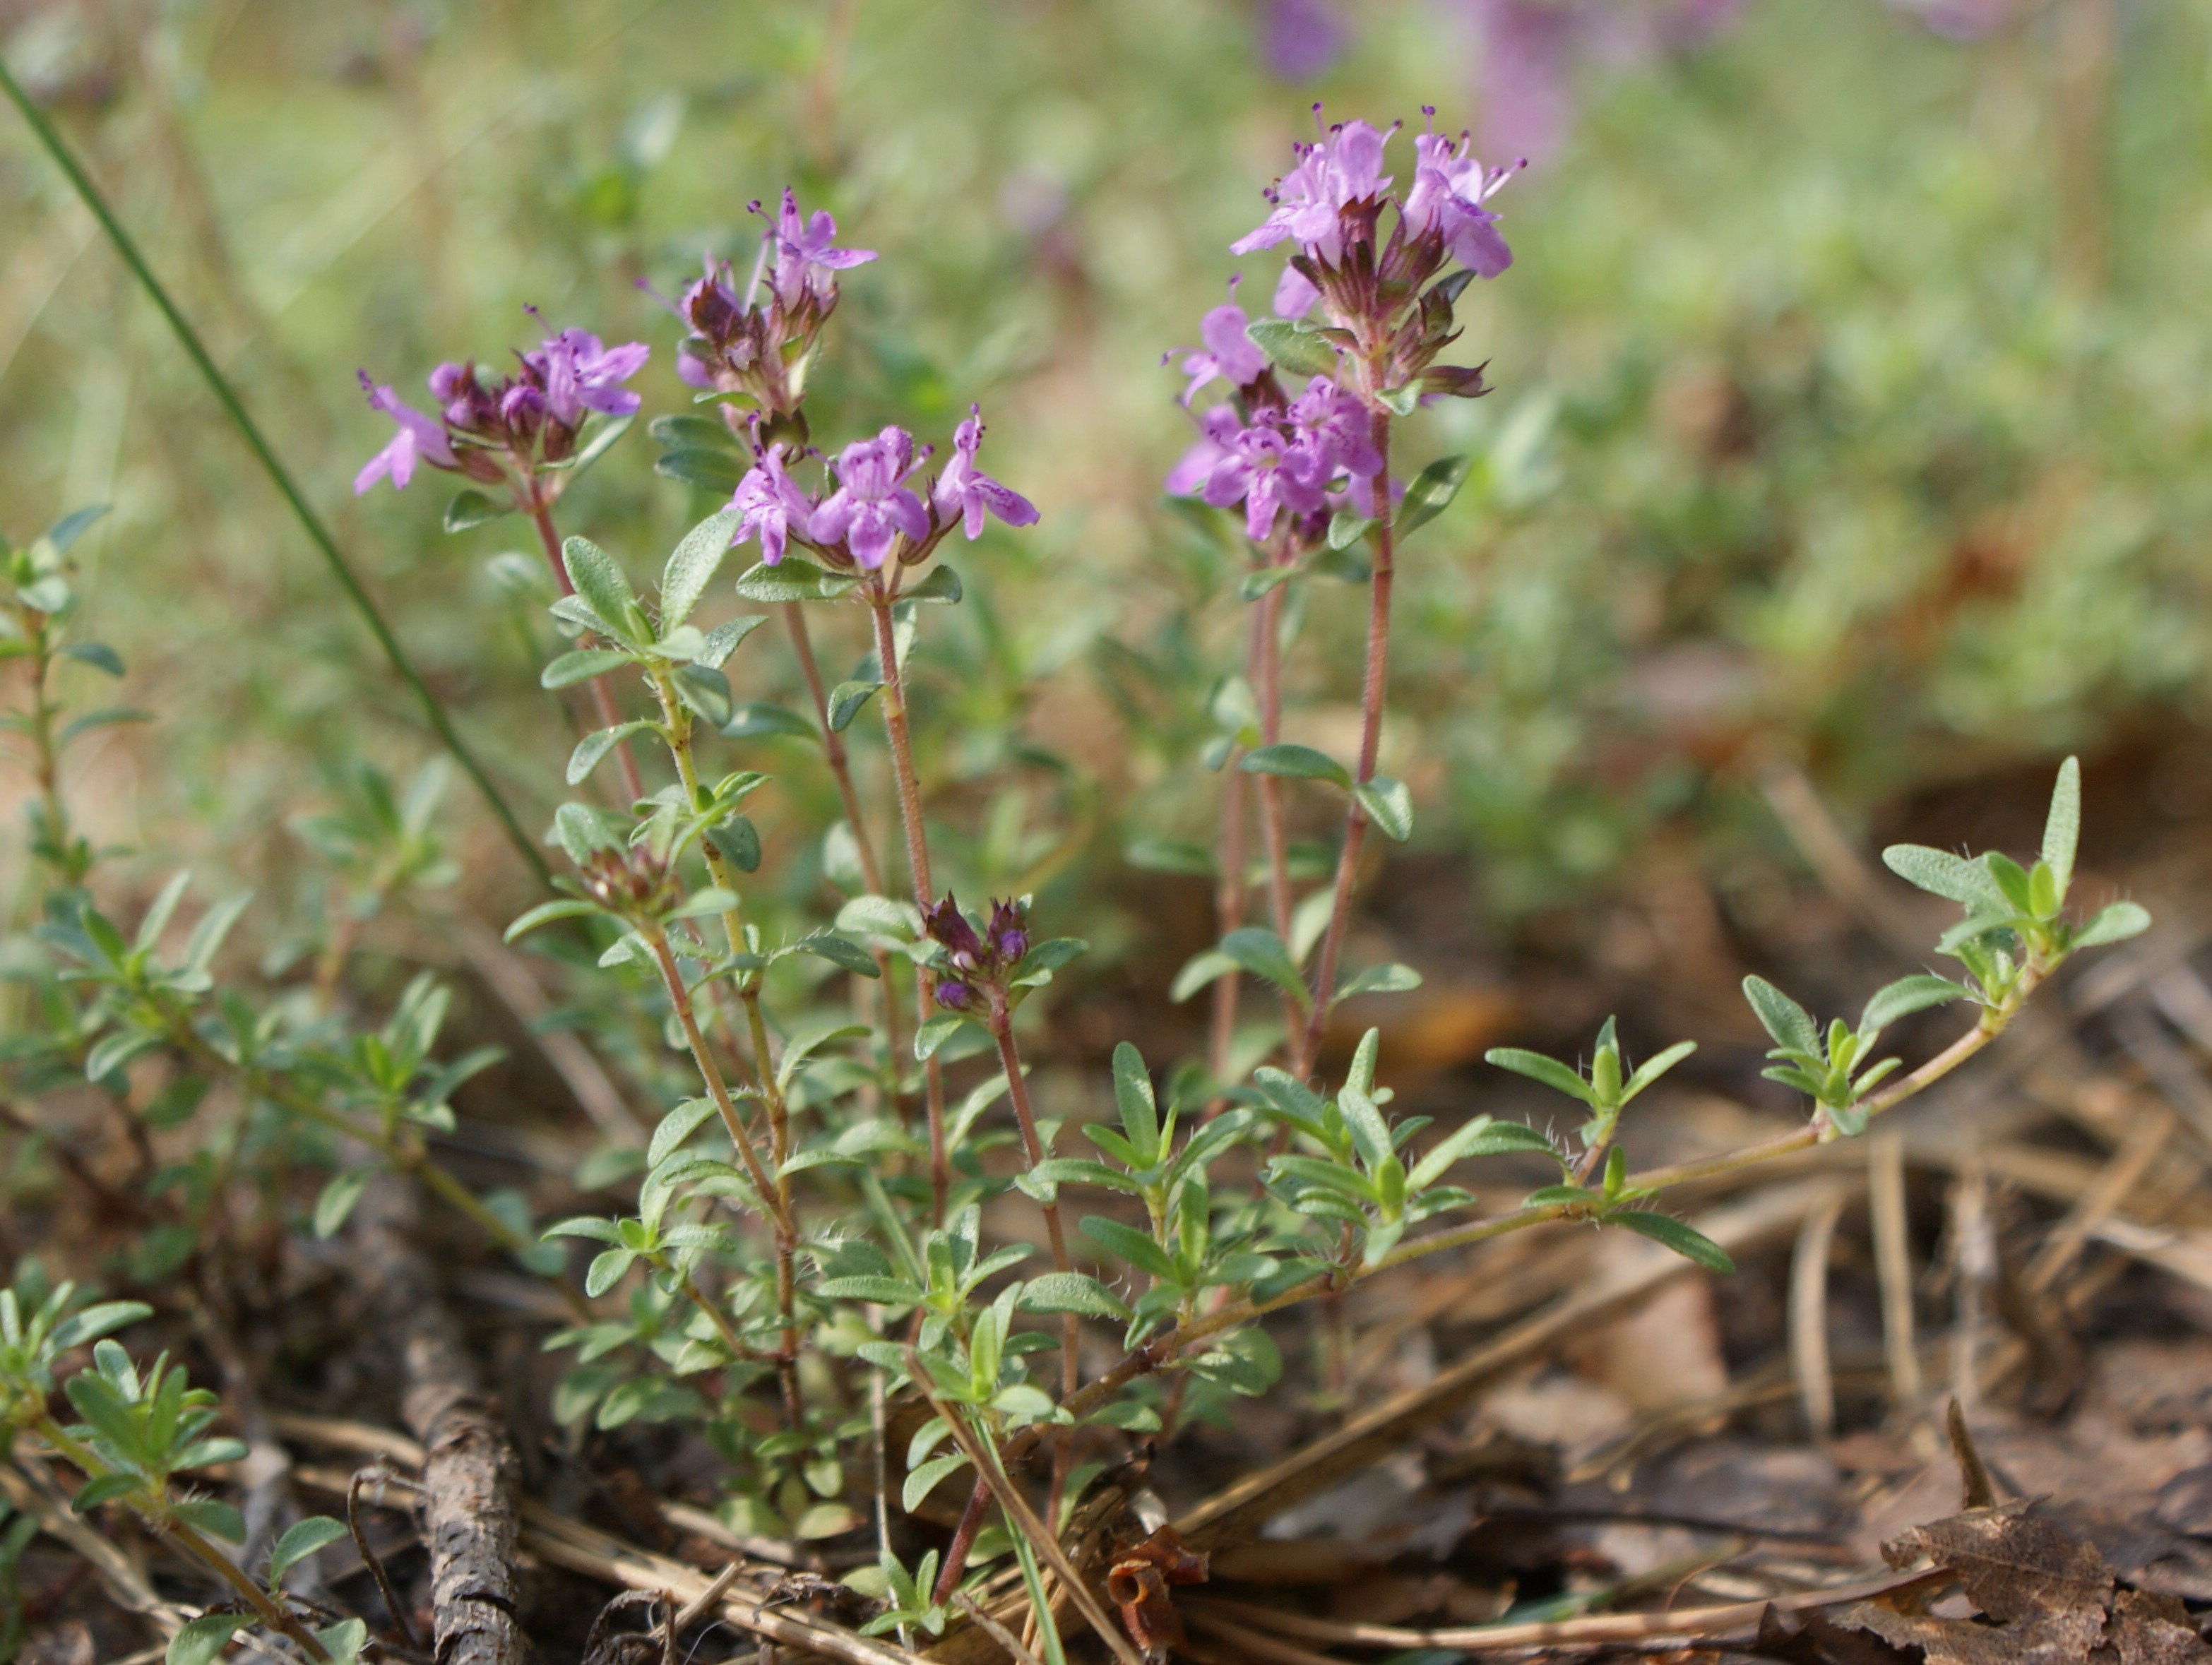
955	996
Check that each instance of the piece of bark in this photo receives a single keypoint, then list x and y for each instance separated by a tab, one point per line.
468	1469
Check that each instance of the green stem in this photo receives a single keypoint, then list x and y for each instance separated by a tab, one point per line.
266	1605
893	701
311	523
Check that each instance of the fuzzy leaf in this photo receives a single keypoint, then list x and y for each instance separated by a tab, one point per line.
301	1540
336	1201
693	565
598	579
1388	805
1072	1291
1303	762
1431	493
1537	1067
848	700
2115	922
2062	827
471	507
1789	1024
1261	952
581	665
1905	996
1686	1241
1297	348
592	749
1954	877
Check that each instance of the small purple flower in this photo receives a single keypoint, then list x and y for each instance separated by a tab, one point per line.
419	439
947	926
965	490
1196	466
871	505
581	374
772	504
1449	189
1336	426
955	996
1345	168
1266	470
1228	351
804	255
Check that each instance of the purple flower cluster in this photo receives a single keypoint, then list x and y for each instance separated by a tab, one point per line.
1285	460
976	960
870	508
1387	296
761	348
505	430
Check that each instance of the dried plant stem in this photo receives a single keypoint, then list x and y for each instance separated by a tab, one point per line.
1808	1319
1893	1257
1371	689
603	701
893	701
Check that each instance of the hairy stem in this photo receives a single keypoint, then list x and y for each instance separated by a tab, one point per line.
893	701
1372	679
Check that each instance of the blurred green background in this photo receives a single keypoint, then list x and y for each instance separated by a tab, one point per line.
1851	411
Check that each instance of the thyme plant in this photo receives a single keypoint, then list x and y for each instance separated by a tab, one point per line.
818	1264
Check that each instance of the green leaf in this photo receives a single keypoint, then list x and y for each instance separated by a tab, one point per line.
1954	877
1302	762
1653	1068
592	749
1537	1067
792	578
107	717
1198	971
1297	348
112	1052
703	690
738	841
301	1540
1431	493
693	565
597	580
2115	922
2062	827
1261	579
759	719
1381	979
722	641
1905	996
1132	1096
1388	806
1072	1291
471	507
707	468
545	913
345	1640
336	1201
1685	1240
846	700
105	1489
202	1641
1262	953
1789	1024
1347	527
841	951
581	665
921	1482
98	654
941	586
1126	1243
65	532
934	1033
799	1047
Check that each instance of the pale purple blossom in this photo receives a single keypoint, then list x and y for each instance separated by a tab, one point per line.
1228	351
1346	166
771	503
581	374
420	438
804	257
1294	294
1260	466
1449	189
1196	466
1337	428
871	505
965	490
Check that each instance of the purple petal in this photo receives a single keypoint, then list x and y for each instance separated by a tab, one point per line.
1294	294
903	510
871	536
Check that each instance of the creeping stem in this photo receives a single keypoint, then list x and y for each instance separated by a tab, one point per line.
1371	741
893	701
